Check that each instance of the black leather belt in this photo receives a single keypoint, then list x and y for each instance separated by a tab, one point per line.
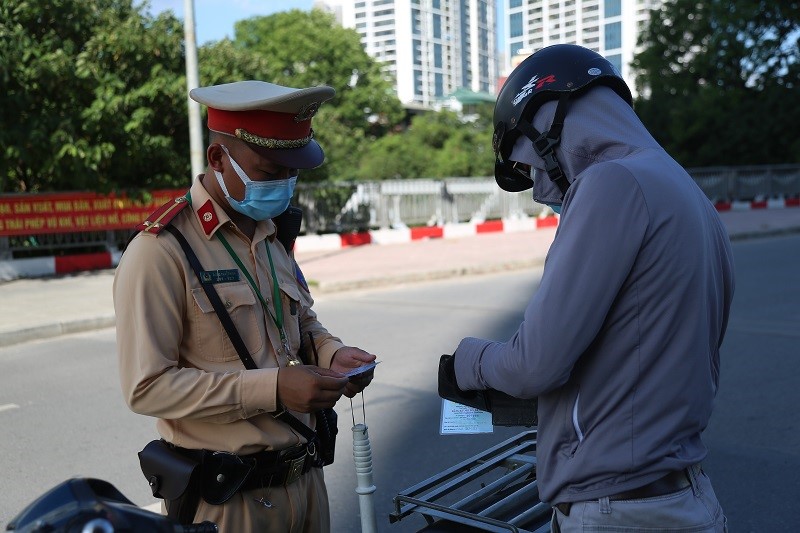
285	469
672	482
256	470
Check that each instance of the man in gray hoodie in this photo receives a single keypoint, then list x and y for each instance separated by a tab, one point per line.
621	341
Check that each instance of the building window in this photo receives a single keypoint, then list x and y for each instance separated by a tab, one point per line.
439	84
437	26
437	55
515	25
515	47
514	3
613	35
613	8
616	62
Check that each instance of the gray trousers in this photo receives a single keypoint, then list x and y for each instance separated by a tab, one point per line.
694	509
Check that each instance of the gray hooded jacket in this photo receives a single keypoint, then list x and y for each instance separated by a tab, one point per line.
621	341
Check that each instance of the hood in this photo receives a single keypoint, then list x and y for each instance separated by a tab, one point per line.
599	126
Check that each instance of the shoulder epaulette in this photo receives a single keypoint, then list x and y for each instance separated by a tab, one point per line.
163	216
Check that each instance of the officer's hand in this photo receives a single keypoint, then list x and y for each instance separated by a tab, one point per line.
346	359
307	388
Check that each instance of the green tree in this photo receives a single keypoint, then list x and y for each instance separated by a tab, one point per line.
436	145
303	49
93	99
719	80
396	156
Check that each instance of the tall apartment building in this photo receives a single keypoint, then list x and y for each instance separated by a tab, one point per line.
609	27
430	48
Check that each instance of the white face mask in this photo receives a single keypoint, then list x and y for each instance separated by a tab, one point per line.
262	199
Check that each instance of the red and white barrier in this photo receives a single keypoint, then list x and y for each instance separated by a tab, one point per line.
313	243
51	266
773	203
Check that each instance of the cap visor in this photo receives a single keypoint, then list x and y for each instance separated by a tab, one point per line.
309	156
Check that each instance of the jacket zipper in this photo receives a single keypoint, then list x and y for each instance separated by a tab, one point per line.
575	425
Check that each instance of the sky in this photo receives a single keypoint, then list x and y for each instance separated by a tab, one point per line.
214	19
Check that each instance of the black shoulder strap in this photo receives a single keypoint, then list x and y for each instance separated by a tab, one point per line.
215	300
230	328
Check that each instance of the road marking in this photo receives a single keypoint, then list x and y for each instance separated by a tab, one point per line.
8	407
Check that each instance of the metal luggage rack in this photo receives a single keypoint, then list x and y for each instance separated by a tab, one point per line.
495	490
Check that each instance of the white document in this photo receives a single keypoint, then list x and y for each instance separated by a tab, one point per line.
459	419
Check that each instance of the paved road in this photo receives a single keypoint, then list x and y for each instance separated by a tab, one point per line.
47	307
753	436
70	419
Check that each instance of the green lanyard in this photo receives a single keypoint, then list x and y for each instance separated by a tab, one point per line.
276	294
277	318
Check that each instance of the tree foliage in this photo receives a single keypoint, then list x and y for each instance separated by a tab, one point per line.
92	98
303	49
719	80
436	145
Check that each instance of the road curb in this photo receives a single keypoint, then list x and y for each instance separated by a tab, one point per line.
416	277
48	331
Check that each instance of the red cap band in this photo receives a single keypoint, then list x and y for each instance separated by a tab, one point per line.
266	124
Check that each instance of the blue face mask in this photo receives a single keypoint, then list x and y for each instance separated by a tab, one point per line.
555	207
262	199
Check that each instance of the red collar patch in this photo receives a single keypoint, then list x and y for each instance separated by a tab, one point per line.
208	217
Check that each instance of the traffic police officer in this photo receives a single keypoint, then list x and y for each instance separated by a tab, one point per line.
176	361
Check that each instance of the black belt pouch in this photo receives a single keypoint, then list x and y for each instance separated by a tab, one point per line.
223	475
173	477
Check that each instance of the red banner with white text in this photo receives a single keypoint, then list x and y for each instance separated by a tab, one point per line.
35	214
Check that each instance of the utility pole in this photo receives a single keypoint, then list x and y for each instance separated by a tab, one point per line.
196	152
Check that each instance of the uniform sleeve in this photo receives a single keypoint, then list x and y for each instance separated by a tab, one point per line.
597	242
150	302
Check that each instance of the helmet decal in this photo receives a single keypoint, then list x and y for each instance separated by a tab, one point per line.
534	84
594	71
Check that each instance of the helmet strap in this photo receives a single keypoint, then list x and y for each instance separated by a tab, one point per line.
544	144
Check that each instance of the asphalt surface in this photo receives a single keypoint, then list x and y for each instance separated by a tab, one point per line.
41	308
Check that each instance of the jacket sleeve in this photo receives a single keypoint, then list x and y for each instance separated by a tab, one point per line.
150	302
604	223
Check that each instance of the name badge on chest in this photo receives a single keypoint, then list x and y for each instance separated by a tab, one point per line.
219	276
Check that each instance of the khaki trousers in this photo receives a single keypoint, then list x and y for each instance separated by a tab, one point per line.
301	507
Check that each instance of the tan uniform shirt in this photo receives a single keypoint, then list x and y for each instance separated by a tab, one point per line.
175	359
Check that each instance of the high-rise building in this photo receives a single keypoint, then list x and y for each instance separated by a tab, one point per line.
609	27
430	48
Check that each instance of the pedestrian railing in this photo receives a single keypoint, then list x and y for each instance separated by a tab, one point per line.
344	207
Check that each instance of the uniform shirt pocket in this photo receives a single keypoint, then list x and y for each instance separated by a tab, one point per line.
290	300
209	333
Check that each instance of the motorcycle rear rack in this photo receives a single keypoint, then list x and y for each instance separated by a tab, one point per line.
495	490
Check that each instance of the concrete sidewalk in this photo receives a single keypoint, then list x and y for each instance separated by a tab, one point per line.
46	307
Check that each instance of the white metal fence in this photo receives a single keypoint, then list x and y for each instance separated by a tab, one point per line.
343	207
358	206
